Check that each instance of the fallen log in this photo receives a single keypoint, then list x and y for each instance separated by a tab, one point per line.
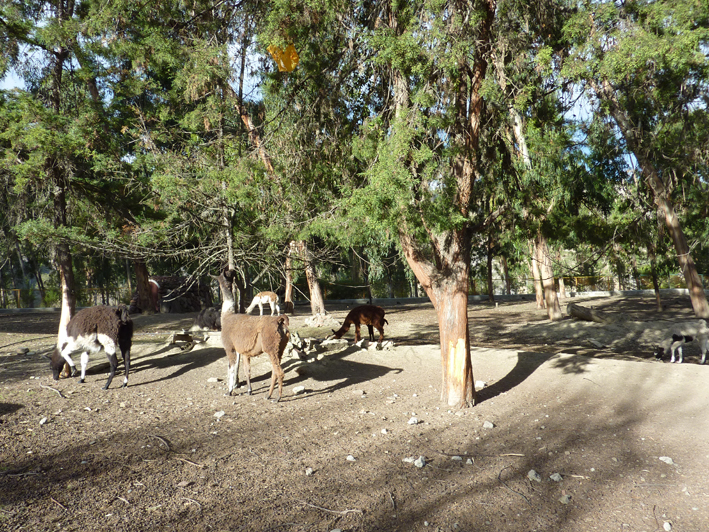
587	314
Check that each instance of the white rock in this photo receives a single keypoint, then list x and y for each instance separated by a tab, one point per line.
667	460
556	477
565	499
308	471
479	385
219	414
469	461
409	459
533	475
413	421
667	526
43	421
457	458
213	379
298	390
351	458
385	431
420	462
488	425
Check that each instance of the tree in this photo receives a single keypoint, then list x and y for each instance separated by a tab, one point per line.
645	64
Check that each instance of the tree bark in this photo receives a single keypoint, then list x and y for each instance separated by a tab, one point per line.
655	282
547	274
587	314
142	285
288	307
490	286
317	303
537	276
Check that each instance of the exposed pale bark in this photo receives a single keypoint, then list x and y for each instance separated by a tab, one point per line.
288	306
317	303
587	314
536	275
547	278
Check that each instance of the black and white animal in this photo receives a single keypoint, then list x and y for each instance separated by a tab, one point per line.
679	339
90	330
209	319
265	298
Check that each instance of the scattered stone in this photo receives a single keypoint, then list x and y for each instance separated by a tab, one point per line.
596	343
556	477
667	460
488	425
219	414
667	526
420	462
351	458
533	475
409	459
213	379
457	458
385	431
565	499
298	390
469	461
359	392
479	385
43	421
184	484
308	471
413	421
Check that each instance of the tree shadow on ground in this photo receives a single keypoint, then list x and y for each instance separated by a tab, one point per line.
527	363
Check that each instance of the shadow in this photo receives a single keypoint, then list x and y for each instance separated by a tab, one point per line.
182	362
9	408
527	363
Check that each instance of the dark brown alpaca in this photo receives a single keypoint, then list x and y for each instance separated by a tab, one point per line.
369	315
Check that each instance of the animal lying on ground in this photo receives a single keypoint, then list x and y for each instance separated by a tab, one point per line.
250	336
90	330
369	315
699	332
208	319
265	298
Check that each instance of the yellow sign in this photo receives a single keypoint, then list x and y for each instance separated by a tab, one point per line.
286	59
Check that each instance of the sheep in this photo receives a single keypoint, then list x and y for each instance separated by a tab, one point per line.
208	319
250	336
262	298
369	315
90	330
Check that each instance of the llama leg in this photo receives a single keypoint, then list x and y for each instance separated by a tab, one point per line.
357	335
371	332
381	333
673	348
126	363
84	364
680	359
66	355
704	346
247	371
233	373
260	308
273	307
113	361
276	373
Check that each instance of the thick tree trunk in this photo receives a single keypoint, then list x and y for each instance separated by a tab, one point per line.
447	288
142	285
547	273
588	314
506	270
288	307
62	255
537	276
490	284
317	303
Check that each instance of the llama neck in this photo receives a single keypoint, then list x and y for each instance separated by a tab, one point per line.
228	306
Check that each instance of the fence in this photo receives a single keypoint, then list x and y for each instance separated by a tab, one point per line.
18	298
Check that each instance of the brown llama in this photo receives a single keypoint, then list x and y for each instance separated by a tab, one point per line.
369	315
250	336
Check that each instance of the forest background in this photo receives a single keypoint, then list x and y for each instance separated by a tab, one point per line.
414	145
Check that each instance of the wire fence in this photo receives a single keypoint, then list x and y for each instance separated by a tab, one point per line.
19	298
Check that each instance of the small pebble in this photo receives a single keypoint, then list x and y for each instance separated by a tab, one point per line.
308	471
488	425
667	460
219	414
667	526
298	390
420	462
533	475
351	458
565	499
556	477
413	421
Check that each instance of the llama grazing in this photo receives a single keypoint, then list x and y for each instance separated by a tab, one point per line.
89	331
263	298
369	315
250	336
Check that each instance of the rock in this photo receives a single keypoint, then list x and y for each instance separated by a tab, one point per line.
308	471
667	526
488	425
533	475
213	379
23	351
667	460
457	458
556	477
413	421
298	390
565	499
479	385
43	421
219	414
420	462
351	458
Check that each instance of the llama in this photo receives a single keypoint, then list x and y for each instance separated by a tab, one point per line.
209	319
685	333
250	336
369	315
263	298
90	330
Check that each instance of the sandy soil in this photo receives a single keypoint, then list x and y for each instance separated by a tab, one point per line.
171	452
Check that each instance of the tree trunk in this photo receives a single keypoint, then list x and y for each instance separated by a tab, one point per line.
536	274
317	303
490	287
506	270
547	274
588	314
447	288
288	307
142	286
655	282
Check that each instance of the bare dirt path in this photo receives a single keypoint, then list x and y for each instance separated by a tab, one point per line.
626	435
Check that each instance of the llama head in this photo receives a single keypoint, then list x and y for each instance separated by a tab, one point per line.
56	363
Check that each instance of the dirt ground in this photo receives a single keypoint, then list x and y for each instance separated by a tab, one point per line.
623	435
